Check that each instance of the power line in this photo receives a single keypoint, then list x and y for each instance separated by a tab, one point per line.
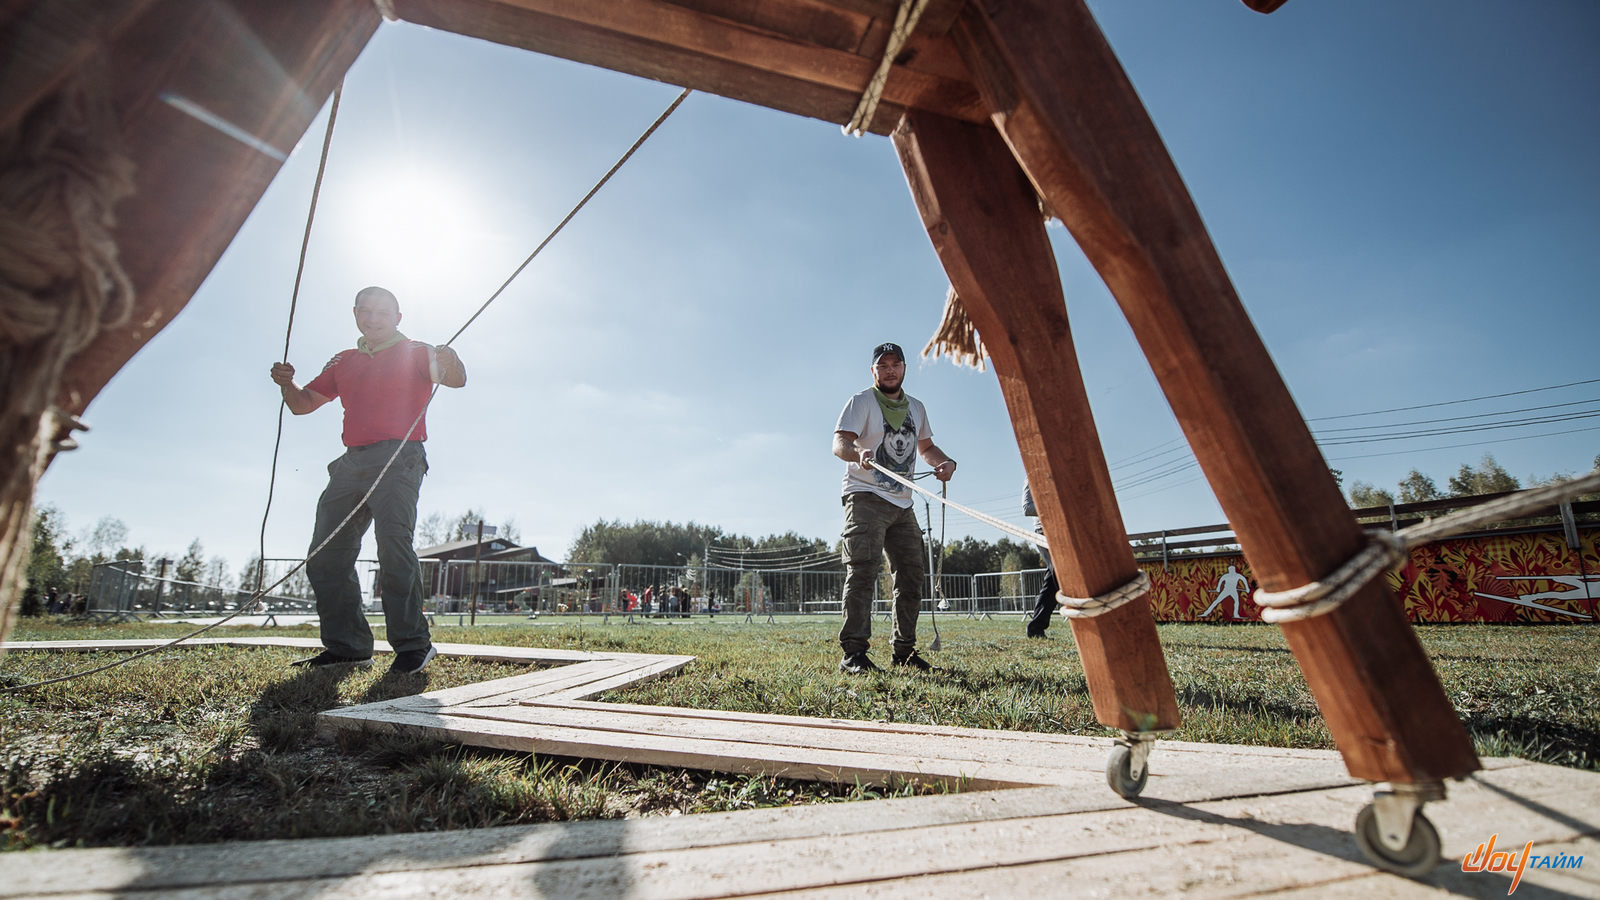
1553	387
1503	412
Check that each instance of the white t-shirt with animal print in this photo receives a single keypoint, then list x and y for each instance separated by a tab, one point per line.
894	450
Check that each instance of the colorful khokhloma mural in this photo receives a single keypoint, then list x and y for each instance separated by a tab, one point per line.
1515	578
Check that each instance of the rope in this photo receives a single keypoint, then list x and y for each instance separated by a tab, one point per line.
905	21
258	594
288	331
1385	550
1031	537
1100	604
62	174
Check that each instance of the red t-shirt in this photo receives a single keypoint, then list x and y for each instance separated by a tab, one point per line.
381	393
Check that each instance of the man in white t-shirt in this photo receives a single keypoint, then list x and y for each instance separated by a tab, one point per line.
883	427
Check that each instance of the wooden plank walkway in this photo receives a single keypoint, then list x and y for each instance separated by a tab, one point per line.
1214	821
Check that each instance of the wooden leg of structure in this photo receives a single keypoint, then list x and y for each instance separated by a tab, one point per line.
1062	102
984	220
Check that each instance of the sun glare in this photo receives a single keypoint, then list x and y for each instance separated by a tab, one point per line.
413	226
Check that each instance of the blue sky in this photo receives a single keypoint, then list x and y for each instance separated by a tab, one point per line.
1404	195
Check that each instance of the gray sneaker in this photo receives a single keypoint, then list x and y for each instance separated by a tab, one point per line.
409	661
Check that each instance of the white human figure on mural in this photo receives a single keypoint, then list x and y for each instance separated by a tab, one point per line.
1228	588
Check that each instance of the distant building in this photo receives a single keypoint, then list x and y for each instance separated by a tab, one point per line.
506	571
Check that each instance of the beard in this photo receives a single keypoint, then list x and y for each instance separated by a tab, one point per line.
889	384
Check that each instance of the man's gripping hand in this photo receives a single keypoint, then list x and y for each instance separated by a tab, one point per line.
283	374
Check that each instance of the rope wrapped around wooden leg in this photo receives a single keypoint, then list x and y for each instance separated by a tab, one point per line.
1100	604
1325	595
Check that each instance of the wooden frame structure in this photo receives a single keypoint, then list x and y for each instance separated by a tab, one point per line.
992	105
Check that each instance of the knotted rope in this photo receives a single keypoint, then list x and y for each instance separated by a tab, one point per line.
1386	550
62	173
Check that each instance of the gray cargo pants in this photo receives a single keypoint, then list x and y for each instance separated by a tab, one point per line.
393	507
874	527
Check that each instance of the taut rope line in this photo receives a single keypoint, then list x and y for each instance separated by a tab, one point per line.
1386	550
905	22
259	593
288	331
1383	552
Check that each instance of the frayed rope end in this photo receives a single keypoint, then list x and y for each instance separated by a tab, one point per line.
956	337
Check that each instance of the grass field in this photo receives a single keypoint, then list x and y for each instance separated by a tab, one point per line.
215	744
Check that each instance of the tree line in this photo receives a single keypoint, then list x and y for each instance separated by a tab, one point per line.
65	560
1487	477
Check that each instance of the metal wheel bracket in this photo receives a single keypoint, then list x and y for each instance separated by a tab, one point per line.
1396	810
1139	747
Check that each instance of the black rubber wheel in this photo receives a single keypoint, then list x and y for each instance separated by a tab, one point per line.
1119	772
1417	858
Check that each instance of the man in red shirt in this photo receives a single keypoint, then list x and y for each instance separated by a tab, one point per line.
384	383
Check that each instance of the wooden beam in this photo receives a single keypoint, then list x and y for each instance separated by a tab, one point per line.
264	66
43	43
983	218
1074	121
770	56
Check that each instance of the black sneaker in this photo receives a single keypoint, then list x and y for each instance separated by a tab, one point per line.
330	658
914	660
857	664
409	661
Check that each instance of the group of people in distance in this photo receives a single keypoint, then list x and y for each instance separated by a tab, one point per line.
384	384
672	602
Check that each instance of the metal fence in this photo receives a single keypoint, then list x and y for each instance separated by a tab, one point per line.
463	587
122	590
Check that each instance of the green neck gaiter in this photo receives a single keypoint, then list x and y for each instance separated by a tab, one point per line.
894	411
361	344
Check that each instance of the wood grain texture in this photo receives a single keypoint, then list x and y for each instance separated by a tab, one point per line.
983	218
266	66
1072	118
809	59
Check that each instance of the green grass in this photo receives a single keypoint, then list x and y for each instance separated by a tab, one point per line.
213	744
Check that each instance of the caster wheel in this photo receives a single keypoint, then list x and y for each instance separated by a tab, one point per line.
1119	773
1417	858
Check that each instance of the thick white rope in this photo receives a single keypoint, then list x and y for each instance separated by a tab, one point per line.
1100	604
1386	550
1071	607
1032	537
905	22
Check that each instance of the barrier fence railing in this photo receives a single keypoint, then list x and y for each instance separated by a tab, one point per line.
121	590
528	589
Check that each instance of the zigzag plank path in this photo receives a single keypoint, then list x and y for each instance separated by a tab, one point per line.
1033	815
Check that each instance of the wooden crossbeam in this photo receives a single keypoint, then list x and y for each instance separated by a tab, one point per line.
805	57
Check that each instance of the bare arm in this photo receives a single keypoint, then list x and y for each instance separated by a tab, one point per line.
447	368
943	465
844	447
299	400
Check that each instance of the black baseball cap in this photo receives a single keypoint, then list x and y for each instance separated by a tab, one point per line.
885	349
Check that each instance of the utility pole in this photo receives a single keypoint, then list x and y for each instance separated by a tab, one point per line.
477	578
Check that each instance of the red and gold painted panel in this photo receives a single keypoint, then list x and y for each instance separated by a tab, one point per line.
1514	578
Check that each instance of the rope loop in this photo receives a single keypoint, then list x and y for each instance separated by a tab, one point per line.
1100	604
1382	553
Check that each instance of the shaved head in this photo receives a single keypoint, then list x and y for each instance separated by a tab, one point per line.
376	295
